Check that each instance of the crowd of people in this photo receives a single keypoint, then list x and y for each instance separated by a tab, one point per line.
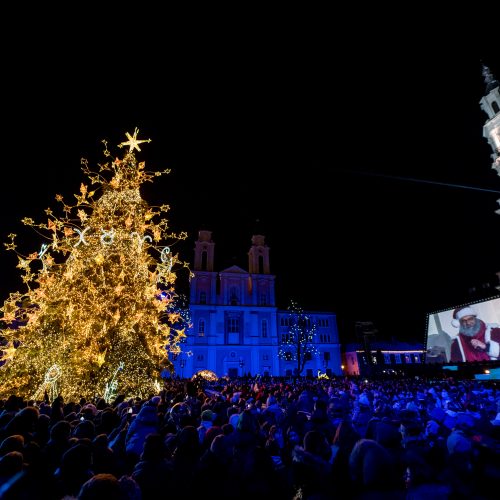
259	438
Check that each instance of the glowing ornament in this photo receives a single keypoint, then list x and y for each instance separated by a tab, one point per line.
133	142
81	239
112	385
107	237
206	375
49	386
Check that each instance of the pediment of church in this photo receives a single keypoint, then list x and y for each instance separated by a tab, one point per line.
234	270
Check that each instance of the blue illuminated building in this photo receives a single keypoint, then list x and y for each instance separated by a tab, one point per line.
237	328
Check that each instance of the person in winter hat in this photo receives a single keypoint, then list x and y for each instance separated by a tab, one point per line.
146	422
476	340
207	418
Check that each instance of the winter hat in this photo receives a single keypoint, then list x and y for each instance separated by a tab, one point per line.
11	463
461	312
15	442
496	421
122	406
465	421
207	415
215	430
90	408
71	416
233	419
457	442
271	400
101	486
363	400
84	429
432	428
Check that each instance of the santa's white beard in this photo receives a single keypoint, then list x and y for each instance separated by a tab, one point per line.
471	330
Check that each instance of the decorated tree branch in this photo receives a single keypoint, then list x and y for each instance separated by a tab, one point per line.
97	313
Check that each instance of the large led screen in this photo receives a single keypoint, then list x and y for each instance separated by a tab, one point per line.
465	333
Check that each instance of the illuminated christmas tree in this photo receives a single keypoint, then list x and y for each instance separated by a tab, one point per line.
98	314
298	344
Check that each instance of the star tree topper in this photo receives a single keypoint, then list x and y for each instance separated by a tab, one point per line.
133	142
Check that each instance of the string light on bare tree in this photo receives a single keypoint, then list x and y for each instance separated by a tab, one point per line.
297	345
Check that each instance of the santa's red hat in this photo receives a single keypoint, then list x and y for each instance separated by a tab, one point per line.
461	312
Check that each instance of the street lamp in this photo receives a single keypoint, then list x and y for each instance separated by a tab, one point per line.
242	364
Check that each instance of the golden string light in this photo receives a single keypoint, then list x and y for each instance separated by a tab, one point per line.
92	301
206	375
133	142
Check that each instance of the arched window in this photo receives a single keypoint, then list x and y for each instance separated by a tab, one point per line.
261	264
233	325
233	296
264	328
495	107
204	260
203	297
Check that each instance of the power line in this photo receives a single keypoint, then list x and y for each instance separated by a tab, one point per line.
422	181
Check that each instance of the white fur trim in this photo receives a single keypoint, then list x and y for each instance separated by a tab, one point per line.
466	311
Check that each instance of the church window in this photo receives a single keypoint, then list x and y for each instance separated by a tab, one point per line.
233	296
261	264
204	260
233	325
264	328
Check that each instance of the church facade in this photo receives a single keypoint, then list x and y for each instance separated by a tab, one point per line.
236	327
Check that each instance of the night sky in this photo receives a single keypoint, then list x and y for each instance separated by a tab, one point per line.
345	159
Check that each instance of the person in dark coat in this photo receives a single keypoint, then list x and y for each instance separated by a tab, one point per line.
146	422
373	472
58	444
154	473
74	471
311	469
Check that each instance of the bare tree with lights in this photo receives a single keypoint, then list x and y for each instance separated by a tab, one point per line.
96	317
298	343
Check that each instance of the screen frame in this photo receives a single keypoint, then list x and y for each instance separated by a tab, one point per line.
439	330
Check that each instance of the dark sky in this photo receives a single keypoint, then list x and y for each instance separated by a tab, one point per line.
346	156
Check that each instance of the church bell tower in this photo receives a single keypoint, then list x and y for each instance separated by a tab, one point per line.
490	104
